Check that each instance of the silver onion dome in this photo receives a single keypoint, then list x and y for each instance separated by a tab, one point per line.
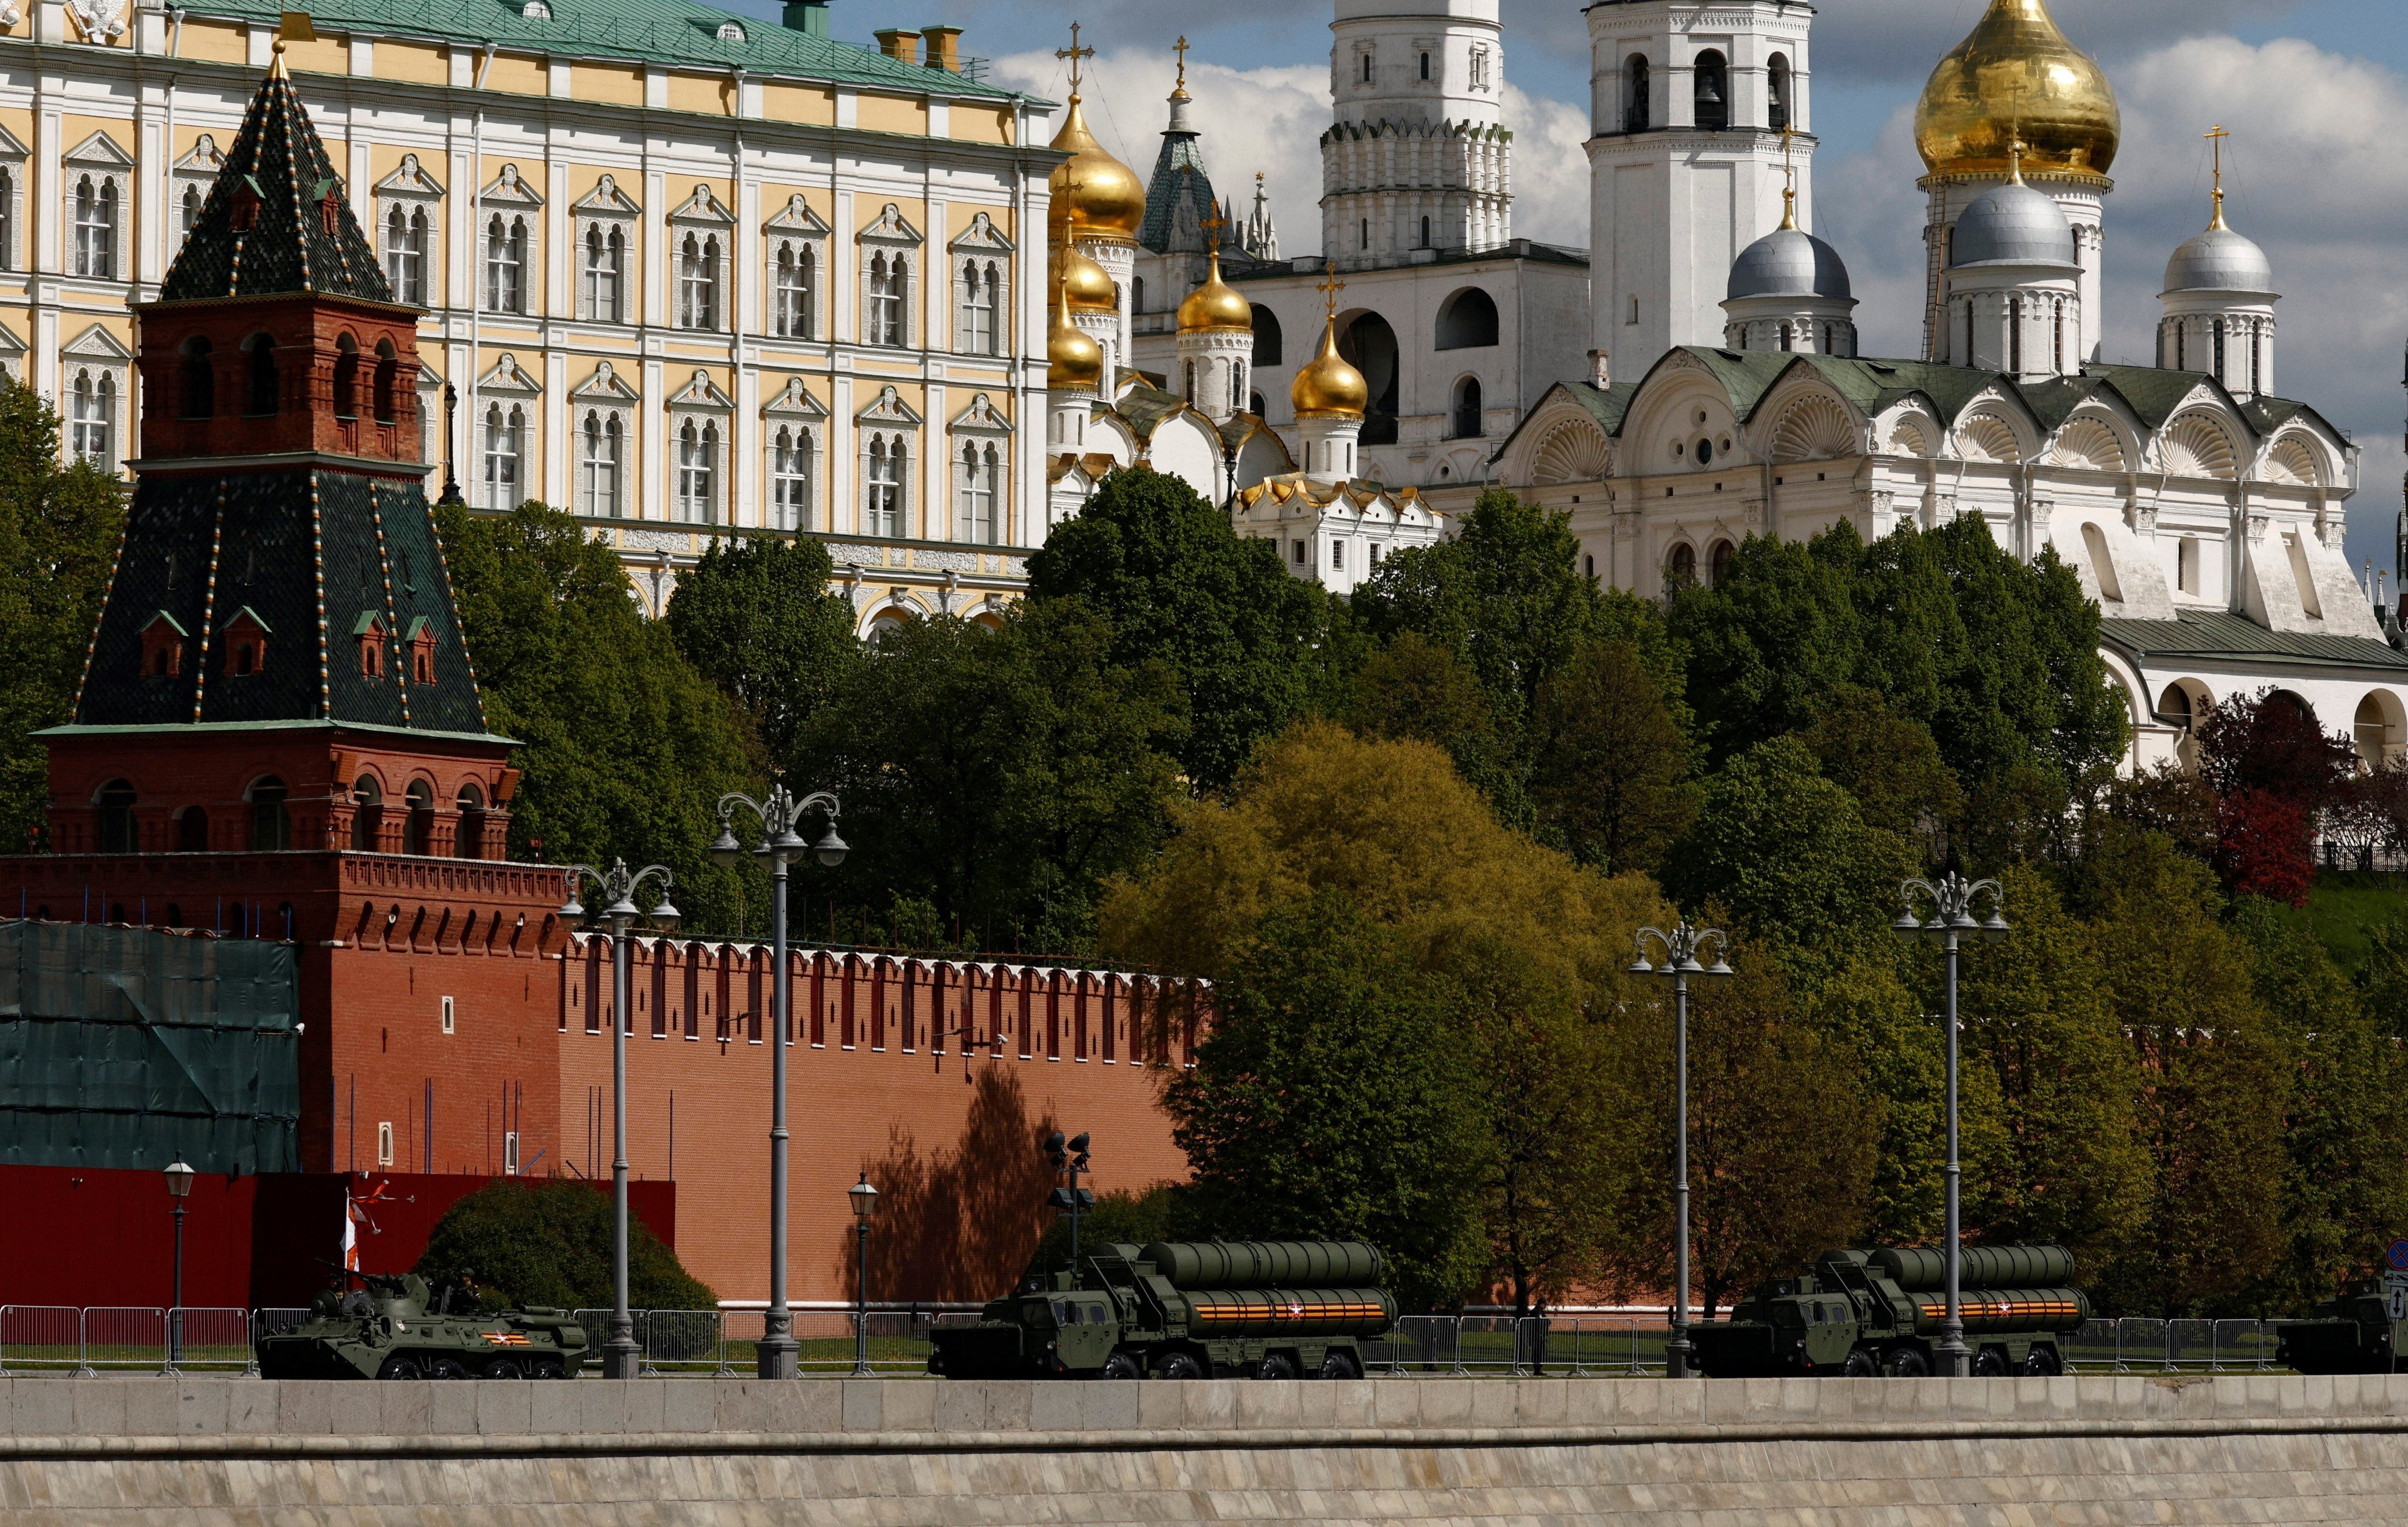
1789	262
2220	260
2013	225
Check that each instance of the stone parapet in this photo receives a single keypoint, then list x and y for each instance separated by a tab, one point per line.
2253	1447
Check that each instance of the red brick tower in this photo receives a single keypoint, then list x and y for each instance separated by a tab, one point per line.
278	733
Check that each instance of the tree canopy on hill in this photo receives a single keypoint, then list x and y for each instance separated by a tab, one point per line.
547	1241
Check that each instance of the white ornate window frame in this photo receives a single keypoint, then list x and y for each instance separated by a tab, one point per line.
189	181
604	210
705	219
105	162
13	166
94	356
983	428
703	404
983	247
511	200
607	398
886	423
508	386
414	191
803	421
803	234
891	238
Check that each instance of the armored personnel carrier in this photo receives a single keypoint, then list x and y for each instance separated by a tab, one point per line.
1861	1314
395	1327
1181	1309
2353	1333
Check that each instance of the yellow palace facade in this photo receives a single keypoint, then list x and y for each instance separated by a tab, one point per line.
685	270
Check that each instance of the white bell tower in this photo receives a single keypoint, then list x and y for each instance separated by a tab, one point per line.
1417	155
1687	104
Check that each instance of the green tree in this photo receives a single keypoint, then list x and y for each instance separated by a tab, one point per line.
1331	1100
547	1241
1000	776
1414	690
59	530
756	617
1609	778
1886	761
623	749
1766	645
1178	585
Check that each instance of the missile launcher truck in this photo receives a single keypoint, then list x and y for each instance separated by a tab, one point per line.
1181	1309
2353	1333
1863	1314
396	1327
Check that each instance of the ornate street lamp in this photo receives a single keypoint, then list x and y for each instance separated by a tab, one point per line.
1681	946
864	1200
1952	917
780	846
179	1187
621	1355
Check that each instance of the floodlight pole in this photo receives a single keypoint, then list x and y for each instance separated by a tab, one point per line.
1680	948
1952	900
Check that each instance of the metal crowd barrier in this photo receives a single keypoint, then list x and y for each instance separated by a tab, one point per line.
121	1336
208	1338
41	1339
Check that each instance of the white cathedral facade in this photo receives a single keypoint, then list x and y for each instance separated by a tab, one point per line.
1694	377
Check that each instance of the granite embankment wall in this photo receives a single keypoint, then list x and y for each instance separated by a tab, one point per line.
1866	1452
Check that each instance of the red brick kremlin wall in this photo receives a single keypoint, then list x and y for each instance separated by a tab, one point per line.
879	1075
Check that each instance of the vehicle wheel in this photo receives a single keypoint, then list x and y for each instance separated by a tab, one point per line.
1178	1365
2041	1362
1341	1365
447	1368
1120	1365
1906	1363
400	1365
1990	1363
548	1367
1860	1364
1275	1365
505	1367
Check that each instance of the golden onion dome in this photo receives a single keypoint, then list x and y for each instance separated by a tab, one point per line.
1110	201
2018	76
1087	285
1328	388
1216	304
1073	361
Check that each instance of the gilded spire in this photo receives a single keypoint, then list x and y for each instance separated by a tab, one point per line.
1178	90
1788	178
2216	137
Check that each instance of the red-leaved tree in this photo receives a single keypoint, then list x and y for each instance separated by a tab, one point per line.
2262	846
2272	743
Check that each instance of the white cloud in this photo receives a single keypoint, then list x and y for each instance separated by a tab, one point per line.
1550	169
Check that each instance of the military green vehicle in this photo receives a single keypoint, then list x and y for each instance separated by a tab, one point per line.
395	1327
1862	1314
1181	1309
2352	1334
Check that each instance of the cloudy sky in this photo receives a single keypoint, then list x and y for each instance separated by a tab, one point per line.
2316	92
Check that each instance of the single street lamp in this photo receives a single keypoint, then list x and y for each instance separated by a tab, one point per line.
865	1199
1952	917
1682	946
1071	1156
179	1187
780	846
621	1355
450	450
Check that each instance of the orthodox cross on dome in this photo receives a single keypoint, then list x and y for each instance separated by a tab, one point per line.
1212	224
2215	136
1074	54
1181	49
1788	177
1329	286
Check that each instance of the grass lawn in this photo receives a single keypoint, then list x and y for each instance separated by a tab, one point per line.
2344	904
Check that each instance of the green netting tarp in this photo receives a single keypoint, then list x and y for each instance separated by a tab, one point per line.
123	1048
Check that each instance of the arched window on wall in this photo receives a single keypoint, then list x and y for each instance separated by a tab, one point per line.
271	819
505	447
263	390
1467	424
1679	567
1718	562
606	270
2060	340
883	296
506	244
468	841
200	400
882	482
1777	84
698	471
95	227
2218	333
388	383
1712	90
1267	338
115	803
405	253
1635	105
599	439
790	294
92	418
368	814
346	377
418	829
2015	335
979	296
975	512
789	478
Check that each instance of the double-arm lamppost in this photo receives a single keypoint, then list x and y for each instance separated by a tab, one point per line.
621	1355
1952	917
1071	1156
1681	946
779	846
